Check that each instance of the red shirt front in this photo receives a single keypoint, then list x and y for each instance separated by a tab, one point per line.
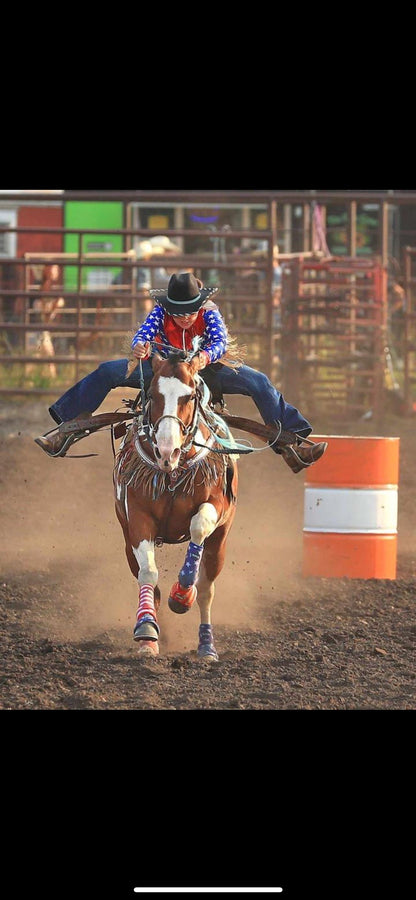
176	335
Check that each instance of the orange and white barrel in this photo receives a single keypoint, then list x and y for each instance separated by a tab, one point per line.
350	513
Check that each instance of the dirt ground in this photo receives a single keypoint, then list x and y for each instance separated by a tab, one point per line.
68	599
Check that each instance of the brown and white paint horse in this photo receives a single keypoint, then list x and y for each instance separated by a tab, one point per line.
169	490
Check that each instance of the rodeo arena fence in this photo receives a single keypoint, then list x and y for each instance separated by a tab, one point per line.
78	324
321	332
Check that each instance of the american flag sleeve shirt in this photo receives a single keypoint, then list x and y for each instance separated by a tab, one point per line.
212	329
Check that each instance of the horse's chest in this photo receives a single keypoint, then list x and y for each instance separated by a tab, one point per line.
172	515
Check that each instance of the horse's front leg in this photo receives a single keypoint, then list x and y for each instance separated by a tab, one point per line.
146	630
184	592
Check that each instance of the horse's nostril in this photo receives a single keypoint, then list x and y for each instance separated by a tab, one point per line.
166	463
157	454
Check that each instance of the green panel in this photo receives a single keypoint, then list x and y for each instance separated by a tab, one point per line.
82	214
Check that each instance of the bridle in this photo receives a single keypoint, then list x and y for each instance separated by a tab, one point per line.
188	431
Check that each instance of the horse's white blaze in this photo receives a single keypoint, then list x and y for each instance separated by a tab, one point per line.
203	523
169	432
118	490
145	555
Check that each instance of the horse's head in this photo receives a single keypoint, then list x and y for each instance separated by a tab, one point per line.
173	399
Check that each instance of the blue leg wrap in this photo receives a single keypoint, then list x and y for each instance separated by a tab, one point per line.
190	568
206	642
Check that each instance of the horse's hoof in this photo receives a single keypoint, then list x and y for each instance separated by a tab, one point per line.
148	648
181	598
209	654
146	630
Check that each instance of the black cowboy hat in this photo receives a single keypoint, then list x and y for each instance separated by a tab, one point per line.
184	294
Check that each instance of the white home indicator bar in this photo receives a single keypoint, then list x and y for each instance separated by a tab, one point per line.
207	890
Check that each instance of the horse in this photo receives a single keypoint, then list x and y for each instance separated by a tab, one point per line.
175	482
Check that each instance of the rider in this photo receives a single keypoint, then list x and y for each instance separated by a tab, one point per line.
181	312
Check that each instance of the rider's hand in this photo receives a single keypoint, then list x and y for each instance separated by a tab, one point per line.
141	351
203	359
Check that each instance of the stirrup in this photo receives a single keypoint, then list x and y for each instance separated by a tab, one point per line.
62	451
295	462
69	440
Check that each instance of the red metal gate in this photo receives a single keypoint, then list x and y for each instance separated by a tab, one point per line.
334	317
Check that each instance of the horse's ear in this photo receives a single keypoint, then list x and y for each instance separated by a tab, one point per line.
157	361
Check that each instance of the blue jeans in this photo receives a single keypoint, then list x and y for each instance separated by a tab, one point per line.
89	393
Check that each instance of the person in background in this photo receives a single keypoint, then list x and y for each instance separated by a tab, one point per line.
46	310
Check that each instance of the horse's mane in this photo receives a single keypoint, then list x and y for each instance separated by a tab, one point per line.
176	356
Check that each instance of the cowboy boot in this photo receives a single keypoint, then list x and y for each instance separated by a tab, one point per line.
52	445
298	457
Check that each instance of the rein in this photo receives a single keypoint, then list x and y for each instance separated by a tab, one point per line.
236	448
141	393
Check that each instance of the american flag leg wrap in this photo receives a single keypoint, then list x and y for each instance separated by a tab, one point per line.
146	611
190	568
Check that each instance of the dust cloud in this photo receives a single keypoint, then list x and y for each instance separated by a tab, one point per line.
60	528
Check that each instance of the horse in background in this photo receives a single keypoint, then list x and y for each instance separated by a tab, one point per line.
174	482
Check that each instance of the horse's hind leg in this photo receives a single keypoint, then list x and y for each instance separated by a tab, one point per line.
211	565
184	592
146	630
